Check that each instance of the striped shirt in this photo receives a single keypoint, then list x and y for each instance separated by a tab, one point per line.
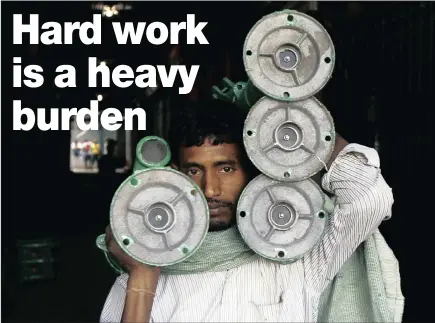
264	291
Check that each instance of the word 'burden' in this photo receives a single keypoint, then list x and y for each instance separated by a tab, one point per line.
86	119
54	32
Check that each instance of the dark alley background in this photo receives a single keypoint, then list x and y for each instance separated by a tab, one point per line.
381	93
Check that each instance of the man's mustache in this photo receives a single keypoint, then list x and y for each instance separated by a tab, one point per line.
214	204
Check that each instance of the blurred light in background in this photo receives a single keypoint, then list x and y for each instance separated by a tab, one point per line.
111	10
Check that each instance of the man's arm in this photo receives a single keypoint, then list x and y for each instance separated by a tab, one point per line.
340	144
363	201
130	300
141	288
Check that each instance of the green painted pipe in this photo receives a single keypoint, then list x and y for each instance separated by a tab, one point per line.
242	94
153	144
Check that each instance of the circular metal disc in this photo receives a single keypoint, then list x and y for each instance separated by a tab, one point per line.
159	216
288	55
281	221
289	141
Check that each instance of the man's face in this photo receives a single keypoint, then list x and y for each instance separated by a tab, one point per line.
217	170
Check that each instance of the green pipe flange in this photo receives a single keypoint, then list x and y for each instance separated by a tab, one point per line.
242	94
141	164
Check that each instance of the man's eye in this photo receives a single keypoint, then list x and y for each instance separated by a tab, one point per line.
227	169
192	172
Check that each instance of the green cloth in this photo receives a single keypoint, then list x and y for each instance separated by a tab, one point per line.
222	250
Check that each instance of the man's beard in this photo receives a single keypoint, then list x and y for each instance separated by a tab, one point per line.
217	224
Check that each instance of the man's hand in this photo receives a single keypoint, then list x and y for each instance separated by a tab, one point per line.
340	143
133	266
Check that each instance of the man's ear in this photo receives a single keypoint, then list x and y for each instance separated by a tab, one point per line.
174	166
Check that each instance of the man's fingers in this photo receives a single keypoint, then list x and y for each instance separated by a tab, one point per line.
111	244
108	237
109	233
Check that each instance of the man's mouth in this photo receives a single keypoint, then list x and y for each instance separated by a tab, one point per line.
212	206
216	208
217	211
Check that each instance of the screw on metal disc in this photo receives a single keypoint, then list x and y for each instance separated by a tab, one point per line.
289	59
280	220
289	141
159	221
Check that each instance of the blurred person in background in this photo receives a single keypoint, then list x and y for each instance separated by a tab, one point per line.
76	147
95	153
109	163
86	153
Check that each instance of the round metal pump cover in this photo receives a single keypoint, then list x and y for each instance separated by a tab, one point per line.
289	141
159	216
289	55
281	221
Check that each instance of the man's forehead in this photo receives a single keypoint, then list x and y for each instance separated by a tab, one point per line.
210	152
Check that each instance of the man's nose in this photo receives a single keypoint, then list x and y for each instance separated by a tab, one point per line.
212	186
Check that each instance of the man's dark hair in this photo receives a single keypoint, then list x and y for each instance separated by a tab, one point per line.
217	120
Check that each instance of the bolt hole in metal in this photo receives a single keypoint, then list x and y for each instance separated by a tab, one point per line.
321	214
134	182
185	250
286	174
193	192
249	133
243	214
126	242
328	138
249	53
327	60
286	94
281	254
290	18
240	86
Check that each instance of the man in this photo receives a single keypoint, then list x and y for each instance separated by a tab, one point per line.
231	286
95	152
108	163
86	151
